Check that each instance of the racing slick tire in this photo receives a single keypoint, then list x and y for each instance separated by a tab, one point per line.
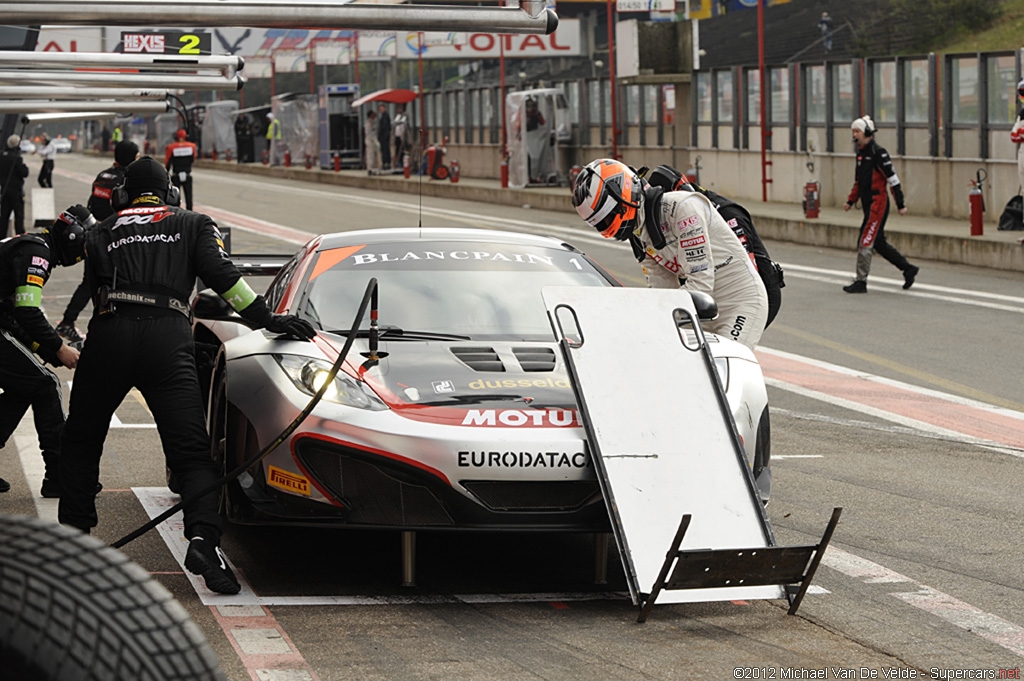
74	609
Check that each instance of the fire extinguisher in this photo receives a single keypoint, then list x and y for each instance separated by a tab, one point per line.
977	202
337	161
504	173
309	161
287	159
812	203
227	155
453	169
406	166
213	154
266	157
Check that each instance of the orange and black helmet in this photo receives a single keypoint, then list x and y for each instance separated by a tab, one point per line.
607	196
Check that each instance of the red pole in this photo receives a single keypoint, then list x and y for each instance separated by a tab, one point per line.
761	76
611	74
423	108
501	97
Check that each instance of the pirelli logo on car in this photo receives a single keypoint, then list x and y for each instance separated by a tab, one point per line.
288	481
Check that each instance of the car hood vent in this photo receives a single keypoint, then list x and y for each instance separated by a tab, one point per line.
535	359
479	359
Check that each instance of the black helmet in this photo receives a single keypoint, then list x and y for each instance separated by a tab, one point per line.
146	176
68	234
607	196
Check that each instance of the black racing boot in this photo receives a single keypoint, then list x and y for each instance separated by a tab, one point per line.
50	488
909	275
4	485
205	558
858	286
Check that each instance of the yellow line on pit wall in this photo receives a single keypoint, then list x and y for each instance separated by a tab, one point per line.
946	384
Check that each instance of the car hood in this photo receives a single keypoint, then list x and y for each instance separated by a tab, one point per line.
470	383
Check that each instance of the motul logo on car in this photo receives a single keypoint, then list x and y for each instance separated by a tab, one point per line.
536	418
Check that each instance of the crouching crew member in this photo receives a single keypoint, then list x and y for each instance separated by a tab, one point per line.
178	162
26	262
681	242
142	264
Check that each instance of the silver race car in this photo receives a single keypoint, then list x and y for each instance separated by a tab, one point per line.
469	421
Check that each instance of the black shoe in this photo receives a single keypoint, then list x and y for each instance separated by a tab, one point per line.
858	286
206	559
909	275
51	488
69	332
4	485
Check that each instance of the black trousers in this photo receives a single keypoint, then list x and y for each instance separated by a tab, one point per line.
157	357
12	204
186	187
79	299
25	381
46	174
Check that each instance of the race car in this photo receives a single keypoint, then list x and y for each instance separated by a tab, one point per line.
468	419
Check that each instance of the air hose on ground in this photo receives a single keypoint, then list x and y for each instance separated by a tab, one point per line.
369	298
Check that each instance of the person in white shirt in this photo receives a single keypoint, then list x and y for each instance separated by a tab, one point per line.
47	152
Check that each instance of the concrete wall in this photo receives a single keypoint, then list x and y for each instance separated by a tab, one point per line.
933	186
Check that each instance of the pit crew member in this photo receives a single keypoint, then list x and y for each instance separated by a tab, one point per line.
874	172
26	262
178	161
142	265
681	242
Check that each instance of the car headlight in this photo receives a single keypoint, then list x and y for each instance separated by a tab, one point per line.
722	365
308	374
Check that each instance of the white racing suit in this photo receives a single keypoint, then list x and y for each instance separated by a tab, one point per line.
702	253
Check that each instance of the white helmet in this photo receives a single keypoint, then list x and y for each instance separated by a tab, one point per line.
607	196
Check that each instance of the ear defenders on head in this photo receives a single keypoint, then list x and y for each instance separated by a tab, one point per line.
120	200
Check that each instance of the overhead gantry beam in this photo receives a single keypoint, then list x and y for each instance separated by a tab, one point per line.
524	16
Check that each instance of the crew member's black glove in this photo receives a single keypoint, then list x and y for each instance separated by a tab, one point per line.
290	325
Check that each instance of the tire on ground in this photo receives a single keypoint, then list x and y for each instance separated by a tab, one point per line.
74	609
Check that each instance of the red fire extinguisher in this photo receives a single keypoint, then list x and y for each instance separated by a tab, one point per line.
453	170
977	202
406	166
337	161
812	202
504	173
227	155
266	157
287	159
309	161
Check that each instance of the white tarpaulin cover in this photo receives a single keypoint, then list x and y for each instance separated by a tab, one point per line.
537	120
219	128
300	130
662	442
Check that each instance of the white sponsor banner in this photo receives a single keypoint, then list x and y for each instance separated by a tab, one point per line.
645	5
290	61
376	45
564	42
332	53
70	39
257	67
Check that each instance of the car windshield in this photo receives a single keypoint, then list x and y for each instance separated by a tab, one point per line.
472	289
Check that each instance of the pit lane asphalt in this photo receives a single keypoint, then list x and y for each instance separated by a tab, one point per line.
934	521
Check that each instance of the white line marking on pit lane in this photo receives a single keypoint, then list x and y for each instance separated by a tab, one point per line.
964	615
776	457
27	446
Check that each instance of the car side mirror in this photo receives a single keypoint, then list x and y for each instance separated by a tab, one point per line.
707	308
211	307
